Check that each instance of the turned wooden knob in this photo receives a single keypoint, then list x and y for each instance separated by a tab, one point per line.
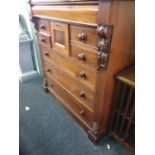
42	26
82	74
48	70
46	54
82	94
81	56
82	113
102	31
51	84
42	39
82	36
103	43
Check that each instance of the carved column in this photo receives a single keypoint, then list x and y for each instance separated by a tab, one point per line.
105	33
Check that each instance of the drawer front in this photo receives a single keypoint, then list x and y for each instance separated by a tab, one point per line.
84	55
44	39
71	103
85	74
84	35
43	26
76	88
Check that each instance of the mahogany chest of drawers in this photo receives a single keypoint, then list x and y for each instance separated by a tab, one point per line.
82	46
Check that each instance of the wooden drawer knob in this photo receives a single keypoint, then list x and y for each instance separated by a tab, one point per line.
81	56
82	74
82	36
42	26
82	113
82	94
48	70
42	39
46	54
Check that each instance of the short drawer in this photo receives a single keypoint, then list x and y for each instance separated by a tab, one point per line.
70	103
75	87
44	39
43	26
84	35
84	55
82	72
60	40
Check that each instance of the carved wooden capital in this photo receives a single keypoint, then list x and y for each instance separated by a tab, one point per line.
104	33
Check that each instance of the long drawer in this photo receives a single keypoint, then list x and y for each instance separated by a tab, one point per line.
83	73
75	87
81	113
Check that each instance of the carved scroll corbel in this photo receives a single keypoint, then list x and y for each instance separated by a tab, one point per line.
104	33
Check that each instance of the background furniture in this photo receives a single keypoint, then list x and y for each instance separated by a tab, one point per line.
122	126
83	45
26	52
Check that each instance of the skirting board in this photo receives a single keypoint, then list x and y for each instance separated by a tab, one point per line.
28	76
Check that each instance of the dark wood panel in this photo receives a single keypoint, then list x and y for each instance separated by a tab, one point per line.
120	14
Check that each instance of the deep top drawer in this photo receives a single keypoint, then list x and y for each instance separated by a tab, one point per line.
43	26
84	35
